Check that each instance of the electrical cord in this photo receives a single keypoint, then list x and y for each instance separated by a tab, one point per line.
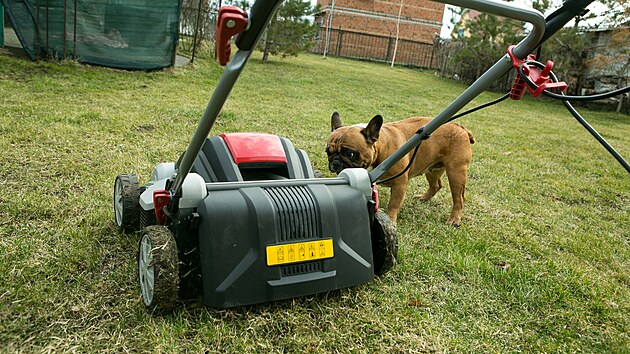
564	97
596	97
565	100
415	151
487	104
575	113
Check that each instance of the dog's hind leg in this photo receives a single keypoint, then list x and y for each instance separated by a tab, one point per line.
435	183
457	176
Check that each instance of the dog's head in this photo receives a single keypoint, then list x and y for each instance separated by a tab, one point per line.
352	146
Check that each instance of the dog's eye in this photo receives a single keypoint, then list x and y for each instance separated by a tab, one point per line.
349	154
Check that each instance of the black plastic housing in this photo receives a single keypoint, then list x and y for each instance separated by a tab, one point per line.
239	221
255	205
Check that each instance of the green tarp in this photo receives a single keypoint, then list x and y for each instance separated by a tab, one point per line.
1	25
128	34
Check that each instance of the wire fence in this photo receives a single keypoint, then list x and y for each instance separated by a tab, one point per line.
197	28
356	45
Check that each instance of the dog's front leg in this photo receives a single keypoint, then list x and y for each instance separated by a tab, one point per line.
396	198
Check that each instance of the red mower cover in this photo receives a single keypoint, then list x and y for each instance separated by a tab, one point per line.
255	147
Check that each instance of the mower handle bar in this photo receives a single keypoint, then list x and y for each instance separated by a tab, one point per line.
259	17
541	31
262	12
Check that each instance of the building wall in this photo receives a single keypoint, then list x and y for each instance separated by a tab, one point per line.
608	67
420	20
615	62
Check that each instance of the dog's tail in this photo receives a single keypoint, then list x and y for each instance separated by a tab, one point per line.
471	138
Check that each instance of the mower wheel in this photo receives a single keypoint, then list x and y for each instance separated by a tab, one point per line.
126	202
158	269
384	243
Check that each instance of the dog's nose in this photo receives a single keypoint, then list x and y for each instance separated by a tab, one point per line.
335	166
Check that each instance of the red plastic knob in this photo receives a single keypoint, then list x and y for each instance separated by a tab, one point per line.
231	21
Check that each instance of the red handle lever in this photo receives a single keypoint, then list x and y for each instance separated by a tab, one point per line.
518	88
232	21
161	198
534	74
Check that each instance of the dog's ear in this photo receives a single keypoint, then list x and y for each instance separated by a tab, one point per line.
335	121
373	128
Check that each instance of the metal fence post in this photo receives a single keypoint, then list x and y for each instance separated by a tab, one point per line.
339	40
194	49
389	47
1	25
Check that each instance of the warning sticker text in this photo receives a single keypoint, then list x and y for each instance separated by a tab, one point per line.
299	252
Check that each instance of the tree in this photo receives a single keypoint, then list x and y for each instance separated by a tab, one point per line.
485	39
289	31
242	4
570	47
195	35
616	14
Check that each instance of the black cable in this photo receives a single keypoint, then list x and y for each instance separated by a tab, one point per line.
596	135
415	151
564	97
487	104
596	97
565	100
577	115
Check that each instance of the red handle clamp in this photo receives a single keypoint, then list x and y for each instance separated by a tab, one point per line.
540	78
231	21
161	198
375	196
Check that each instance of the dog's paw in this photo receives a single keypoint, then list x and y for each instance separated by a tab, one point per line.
453	222
424	197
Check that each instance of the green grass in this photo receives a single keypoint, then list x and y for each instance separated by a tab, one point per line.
541	262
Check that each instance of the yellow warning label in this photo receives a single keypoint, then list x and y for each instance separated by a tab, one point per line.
299	252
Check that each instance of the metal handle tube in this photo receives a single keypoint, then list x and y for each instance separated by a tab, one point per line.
512	10
220	95
499	69
563	15
260	16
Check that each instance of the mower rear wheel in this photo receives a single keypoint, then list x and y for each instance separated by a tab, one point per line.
126	202
158	269
384	243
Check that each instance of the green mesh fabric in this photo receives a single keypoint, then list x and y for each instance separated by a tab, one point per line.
128	34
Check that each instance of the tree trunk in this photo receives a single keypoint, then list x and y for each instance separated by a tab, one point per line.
266	37
266	47
619	84
265	54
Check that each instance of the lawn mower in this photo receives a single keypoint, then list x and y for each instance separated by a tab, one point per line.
242	218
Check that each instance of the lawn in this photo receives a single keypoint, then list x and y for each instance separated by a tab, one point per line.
541	262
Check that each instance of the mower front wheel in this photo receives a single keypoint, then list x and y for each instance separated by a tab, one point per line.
158	269
384	243
126	202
